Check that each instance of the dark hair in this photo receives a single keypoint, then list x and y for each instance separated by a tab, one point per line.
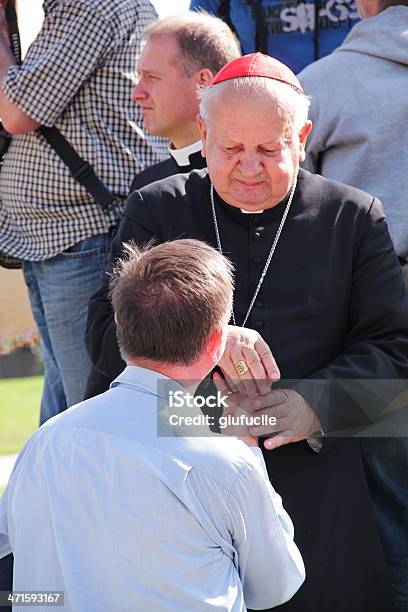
169	298
204	40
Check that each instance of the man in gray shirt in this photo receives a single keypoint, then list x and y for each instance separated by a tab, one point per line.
126	519
358	105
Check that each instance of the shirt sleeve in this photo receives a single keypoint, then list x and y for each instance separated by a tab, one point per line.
5	548
70	46
269	563
6	498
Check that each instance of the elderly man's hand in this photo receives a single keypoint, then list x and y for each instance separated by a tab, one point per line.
295	418
247	346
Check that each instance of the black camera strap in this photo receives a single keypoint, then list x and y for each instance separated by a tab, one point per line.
80	169
11	18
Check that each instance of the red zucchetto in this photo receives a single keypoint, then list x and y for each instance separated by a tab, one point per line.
258	65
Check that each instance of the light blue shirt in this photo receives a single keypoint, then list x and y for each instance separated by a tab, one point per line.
100	507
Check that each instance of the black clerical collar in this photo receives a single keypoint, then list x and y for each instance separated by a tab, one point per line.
183	156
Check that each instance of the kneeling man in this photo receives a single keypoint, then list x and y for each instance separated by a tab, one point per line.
102	508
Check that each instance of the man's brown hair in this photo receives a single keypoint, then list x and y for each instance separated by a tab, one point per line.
204	41
169	298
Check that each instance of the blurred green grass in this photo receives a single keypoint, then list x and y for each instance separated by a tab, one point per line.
19	411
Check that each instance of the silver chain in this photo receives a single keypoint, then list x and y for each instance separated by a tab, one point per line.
271	252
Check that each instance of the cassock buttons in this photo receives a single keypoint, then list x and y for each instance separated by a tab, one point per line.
257	259
258	233
258	304
259	324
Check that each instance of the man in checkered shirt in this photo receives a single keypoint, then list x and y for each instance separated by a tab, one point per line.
77	75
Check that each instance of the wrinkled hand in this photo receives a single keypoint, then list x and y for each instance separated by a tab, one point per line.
247	345
295	418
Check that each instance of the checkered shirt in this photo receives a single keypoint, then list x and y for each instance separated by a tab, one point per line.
77	75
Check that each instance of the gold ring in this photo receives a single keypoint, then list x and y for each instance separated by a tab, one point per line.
241	367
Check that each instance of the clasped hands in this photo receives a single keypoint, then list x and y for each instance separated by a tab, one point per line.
251	394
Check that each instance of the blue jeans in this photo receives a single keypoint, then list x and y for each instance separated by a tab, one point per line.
59	290
386	465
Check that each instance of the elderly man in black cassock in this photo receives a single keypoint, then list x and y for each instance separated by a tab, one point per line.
319	302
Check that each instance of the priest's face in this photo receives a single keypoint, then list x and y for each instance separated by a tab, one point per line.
167	96
253	150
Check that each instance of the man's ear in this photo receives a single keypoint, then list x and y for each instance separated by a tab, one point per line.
303	136
204	77
203	133
214	345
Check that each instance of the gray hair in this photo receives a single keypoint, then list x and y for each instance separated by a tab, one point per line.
204	40
169	298
282	94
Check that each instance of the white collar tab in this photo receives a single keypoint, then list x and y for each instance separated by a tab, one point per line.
182	156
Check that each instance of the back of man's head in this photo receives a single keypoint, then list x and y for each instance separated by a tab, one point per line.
204	41
169	299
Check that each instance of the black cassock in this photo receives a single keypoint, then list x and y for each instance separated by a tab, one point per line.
332	307
99	379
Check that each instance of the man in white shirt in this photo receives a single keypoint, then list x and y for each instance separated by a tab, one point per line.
102	508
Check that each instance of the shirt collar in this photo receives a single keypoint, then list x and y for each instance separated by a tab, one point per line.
148	380
251	212
182	156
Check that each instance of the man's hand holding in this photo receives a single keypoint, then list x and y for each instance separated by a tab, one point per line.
295	418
